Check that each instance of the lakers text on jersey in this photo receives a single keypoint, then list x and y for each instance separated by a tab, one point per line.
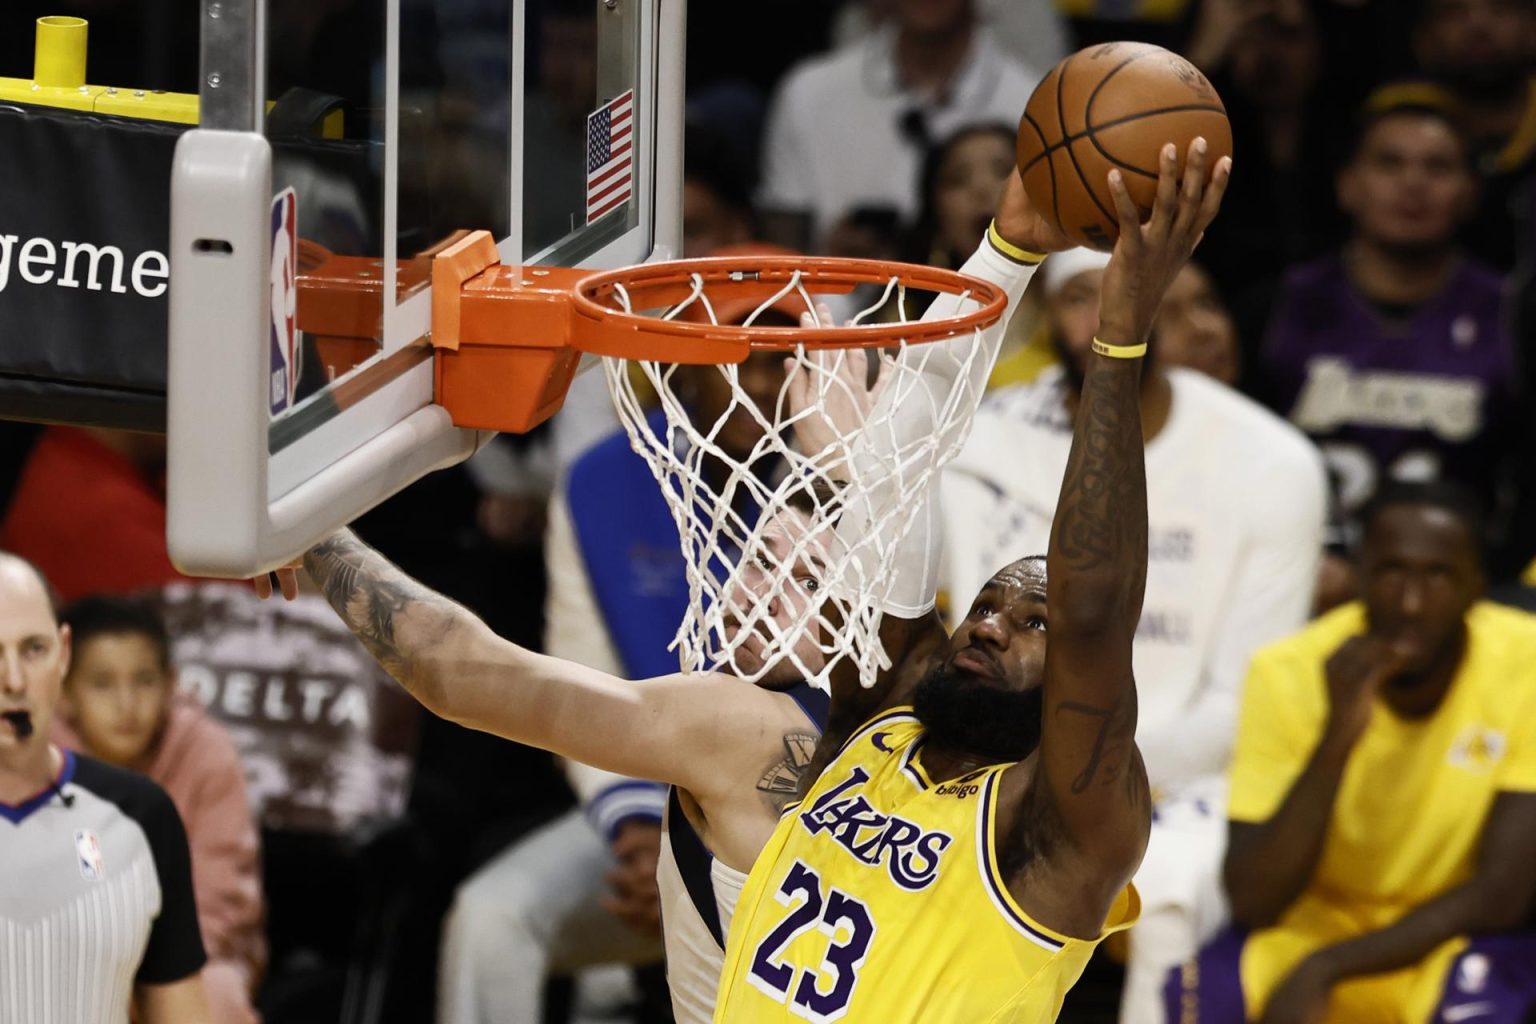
878	898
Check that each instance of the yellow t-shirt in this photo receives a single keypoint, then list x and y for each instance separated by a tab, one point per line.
878	899
1413	798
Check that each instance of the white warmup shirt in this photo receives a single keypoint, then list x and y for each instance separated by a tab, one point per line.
1235	501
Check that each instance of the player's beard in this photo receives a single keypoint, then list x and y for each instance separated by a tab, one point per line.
961	713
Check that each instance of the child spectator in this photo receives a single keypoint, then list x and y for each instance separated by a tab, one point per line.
120	706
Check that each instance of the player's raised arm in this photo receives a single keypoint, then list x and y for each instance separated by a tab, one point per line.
1016	242
678	729
1097	562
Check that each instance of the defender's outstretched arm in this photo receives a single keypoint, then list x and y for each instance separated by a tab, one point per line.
680	729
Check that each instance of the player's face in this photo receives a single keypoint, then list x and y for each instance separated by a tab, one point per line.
968	185
1419	575
1001	640
1478	45
985	697
117	696
1194	329
1409	186
1073	317
782	596
34	655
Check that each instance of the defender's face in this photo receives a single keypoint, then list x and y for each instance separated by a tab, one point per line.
784	599
34	655
118	695
1001	641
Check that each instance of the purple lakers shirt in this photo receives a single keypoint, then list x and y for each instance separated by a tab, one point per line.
1417	396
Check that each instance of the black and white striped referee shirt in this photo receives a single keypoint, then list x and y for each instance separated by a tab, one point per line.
95	897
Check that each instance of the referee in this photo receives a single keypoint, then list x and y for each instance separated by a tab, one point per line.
96	907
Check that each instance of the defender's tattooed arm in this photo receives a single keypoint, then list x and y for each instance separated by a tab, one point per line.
702	732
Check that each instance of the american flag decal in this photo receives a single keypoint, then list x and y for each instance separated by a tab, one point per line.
610	155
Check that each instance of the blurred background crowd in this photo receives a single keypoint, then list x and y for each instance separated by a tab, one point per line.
1363	312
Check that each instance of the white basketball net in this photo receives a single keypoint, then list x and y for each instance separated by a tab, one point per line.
792	539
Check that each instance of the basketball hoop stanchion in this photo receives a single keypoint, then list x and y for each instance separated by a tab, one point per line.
792	501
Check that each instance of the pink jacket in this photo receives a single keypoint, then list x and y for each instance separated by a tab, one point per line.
197	764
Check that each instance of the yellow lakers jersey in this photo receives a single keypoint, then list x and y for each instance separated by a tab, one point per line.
878	898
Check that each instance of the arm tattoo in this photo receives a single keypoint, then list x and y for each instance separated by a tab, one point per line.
1101	521
781	782
1112	757
375	600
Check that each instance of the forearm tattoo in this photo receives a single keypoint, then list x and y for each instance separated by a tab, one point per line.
781	782
375	599
1102	522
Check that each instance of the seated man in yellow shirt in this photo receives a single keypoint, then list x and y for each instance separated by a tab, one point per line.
1382	843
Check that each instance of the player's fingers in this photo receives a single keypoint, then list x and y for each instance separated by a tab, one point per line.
288	579
858	366
1125	210
824	315
263	585
883	377
1210	203
1166	204
1195	176
794	382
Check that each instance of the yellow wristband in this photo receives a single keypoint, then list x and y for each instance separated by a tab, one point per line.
1103	348
1010	250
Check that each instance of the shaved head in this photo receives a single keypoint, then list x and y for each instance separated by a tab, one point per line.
34	656
1028	573
20	580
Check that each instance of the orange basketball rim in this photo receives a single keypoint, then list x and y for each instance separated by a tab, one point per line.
508	339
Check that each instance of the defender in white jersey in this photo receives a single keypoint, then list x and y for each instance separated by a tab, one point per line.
714	739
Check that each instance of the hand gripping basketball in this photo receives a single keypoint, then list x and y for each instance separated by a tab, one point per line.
1112	106
1148	256
1021	223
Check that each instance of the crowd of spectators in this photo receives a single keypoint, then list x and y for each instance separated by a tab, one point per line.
1339	723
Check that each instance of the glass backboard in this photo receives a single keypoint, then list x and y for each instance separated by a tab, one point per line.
340	145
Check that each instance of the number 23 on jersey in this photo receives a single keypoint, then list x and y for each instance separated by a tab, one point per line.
820	993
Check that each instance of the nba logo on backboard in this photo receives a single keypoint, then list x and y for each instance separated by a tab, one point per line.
88	849
285	294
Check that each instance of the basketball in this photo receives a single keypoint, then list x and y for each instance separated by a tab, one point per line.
1112	105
